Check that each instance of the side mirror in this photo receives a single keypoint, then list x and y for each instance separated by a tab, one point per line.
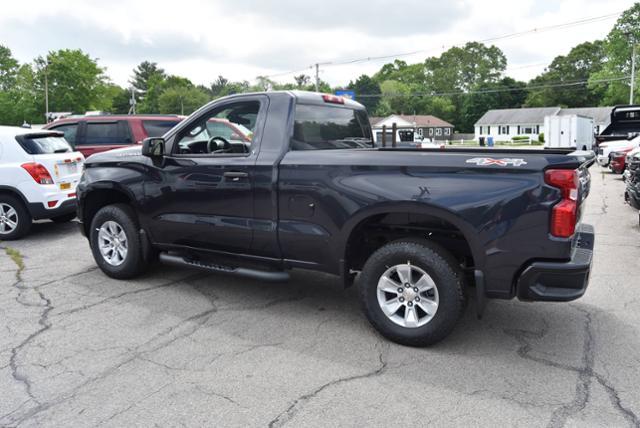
153	147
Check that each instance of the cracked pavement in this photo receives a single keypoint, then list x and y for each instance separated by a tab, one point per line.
179	347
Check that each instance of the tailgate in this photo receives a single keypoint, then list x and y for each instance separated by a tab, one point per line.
65	168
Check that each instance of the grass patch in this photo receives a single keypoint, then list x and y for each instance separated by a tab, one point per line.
17	259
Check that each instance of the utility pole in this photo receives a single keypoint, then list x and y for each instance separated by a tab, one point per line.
46	91
317	65
633	71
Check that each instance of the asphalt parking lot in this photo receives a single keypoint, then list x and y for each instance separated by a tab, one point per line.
179	347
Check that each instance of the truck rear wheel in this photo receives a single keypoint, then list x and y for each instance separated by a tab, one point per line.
412	292
115	242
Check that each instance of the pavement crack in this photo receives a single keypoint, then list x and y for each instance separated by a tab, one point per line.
301	401
585	372
18	373
120	295
131	406
196	322
583	384
204	391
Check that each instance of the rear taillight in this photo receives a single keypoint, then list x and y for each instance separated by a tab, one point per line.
332	99
564	214
38	172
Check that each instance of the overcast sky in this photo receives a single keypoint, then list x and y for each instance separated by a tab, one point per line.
242	39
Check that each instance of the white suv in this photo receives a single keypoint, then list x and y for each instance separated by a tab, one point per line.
39	172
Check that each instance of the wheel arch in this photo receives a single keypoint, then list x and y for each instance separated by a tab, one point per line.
98	196
355	228
7	190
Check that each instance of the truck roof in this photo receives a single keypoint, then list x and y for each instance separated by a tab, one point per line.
304	97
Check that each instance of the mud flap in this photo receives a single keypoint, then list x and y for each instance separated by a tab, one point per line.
481	298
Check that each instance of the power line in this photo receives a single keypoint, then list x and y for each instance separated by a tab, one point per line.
491	39
575	83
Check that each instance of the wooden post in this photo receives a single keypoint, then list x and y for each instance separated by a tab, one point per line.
384	135
394	129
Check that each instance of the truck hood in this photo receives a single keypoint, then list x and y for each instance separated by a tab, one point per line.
129	154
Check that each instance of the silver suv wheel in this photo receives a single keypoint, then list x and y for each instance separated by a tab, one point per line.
8	219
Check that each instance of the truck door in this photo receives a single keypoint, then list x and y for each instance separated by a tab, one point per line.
202	194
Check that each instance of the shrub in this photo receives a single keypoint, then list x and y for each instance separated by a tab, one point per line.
520	138
541	137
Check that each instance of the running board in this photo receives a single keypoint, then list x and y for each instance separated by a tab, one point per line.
261	275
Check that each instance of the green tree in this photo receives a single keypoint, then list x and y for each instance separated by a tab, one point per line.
302	81
583	61
460	70
75	80
397	96
8	69
182	99
506	93
143	73
618	46
23	102
149	103
365	85
400	71
114	99
219	86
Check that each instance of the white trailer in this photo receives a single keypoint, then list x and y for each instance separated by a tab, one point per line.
570	131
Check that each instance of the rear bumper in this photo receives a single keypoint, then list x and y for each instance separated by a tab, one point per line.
617	167
559	281
39	212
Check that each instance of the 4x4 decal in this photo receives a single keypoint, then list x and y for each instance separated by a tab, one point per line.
499	162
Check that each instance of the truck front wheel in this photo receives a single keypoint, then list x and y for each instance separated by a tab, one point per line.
412	292
116	243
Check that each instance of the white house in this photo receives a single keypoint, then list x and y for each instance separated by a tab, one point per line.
504	124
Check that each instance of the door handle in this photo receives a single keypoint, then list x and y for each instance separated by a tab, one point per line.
235	175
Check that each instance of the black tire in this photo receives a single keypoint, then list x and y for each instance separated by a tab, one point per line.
66	218
22	216
440	265
135	262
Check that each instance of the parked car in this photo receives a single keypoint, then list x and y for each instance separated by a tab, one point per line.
628	161
624	124
93	134
409	226
632	191
605	149
618	162
39	172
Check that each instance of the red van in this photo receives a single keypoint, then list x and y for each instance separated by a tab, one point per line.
93	134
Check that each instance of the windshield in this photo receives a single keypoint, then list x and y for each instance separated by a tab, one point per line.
44	145
323	127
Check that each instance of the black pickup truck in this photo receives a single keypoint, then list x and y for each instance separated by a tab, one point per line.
625	123
309	190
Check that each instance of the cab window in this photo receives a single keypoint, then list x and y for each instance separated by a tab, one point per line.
324	127
69	130
226	130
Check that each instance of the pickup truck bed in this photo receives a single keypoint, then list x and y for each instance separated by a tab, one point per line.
311	192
